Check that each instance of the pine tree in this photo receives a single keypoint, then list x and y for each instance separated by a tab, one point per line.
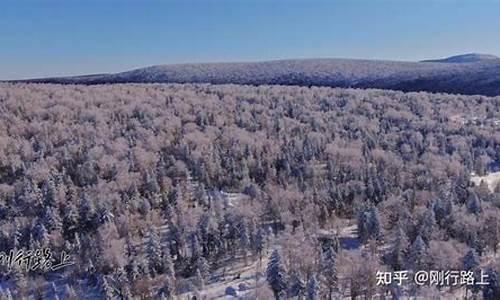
41	234
106	290
491	291
53	290
470	261
168	212
369	224
6	295
312	288
418	254
399	250
244	240
428	225
154	252
276	274
200	281
168	263
49	193
133	271
374	223
168	288
151	183
51	219
296	286
69	292
203	266
87	213
175	196
105	215
70	222
259	242
194	246
363	220
473	203
329	270
442	209
126	294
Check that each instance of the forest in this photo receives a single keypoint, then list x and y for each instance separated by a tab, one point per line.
202	191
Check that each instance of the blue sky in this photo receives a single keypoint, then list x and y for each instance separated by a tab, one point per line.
53	38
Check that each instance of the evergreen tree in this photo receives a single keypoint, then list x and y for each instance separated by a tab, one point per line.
399	249
417	259
369	224
428	225
154	252
276	274
133	271
259	242
105	288
151	183
53	290
49	193
243	238
69	292
491	291
312	289
168	288
296	286
200	281
473	203
470	261
442	209
203	267
87	213
41	234
51	219
194	246
6	295
70	222
328	270
168	263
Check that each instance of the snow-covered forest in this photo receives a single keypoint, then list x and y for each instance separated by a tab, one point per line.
174	191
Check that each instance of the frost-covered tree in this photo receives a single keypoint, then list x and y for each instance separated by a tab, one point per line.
259	243
154	252
473	203
470	261
428	225
491	291
296	286
276	277
312	289
328	271
369	224
417	258
399	249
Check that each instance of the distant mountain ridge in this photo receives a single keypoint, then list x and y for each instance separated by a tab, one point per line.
465	58
468	74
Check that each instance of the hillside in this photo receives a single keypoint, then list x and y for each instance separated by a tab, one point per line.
468	74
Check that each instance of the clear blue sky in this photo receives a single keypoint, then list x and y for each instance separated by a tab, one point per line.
69	37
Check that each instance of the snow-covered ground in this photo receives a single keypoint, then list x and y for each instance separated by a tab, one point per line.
492	179
244	277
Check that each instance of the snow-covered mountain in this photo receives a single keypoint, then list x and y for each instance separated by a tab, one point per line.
464	74
465	58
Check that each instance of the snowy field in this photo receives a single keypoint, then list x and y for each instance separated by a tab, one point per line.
492	180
